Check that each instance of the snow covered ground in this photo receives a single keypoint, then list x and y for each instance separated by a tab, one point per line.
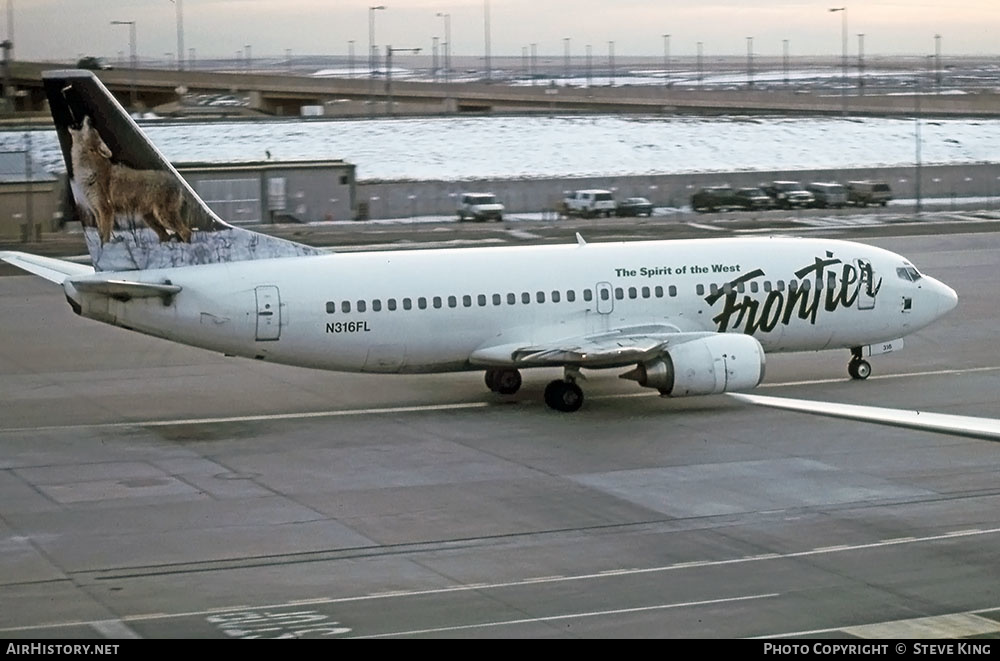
513	147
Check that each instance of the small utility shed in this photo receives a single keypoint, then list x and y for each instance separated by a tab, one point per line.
28	204
274	191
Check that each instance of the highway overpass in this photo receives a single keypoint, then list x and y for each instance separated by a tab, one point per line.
286	94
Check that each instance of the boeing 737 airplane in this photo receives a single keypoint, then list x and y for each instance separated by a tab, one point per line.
689	317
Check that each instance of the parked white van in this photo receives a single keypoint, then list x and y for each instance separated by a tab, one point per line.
590	202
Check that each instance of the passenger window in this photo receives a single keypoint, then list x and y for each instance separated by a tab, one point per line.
605	294
496	299
481	299
407	304
793	286
700	290
525	297
511	298
645	292
391	304
452	301
331	307
570	295
555	295
466	301
588	295
633	293
436	301
377	305
753	287
422	303
780	285
713	288
767	286
345	306
362	306
741	287
540	296
658	291
806	285
673	290
619	293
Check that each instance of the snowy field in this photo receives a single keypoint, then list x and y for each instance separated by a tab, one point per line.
465	148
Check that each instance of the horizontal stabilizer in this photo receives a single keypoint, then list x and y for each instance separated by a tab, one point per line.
959	425
53	270
124	290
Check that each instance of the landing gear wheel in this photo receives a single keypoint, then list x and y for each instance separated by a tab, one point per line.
563	396
859	369
505	382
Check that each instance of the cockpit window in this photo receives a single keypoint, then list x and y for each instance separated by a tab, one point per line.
908	273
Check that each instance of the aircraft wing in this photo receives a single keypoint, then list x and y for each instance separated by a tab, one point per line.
614	348
53	270
958	425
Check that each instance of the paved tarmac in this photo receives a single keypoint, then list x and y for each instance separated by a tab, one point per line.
153	490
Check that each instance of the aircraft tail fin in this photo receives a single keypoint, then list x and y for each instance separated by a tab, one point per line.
136	210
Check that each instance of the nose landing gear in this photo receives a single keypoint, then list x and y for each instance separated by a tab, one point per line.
859	368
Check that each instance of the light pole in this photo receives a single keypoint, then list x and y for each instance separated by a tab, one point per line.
750	62
666	60
350	58
699	63
590	56
447	43
784	59
389	50
132	55
611	63
861	64
180	35
937	63
372	56
843	56
486	31
566	60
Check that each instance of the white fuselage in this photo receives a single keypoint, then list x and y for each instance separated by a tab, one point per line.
429	310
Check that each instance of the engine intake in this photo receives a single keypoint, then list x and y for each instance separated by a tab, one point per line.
706	366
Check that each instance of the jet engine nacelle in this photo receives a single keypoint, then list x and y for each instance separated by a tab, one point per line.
707	366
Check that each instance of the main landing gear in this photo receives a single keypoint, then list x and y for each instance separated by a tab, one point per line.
858	368
503	381
561	394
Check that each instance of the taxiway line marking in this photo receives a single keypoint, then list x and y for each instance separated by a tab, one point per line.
598	575
427	408
569	616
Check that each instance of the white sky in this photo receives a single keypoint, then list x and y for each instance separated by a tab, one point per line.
66	29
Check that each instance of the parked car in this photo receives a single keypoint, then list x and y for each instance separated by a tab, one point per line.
479	206
789	195
752	199
713	198
828	194
863	193
634	206
589	202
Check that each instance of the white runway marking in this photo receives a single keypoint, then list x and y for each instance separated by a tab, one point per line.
534	581
568	616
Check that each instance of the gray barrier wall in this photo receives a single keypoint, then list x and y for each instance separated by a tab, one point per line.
422	198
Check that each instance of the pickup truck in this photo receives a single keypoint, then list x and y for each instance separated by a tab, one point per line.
789	195
590	202
725	198
863	193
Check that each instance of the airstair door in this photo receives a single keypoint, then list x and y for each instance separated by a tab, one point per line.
268	314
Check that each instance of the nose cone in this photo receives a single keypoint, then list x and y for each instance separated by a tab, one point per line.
946	297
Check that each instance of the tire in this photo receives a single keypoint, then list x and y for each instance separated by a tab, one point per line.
859	369
507	382
563	396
